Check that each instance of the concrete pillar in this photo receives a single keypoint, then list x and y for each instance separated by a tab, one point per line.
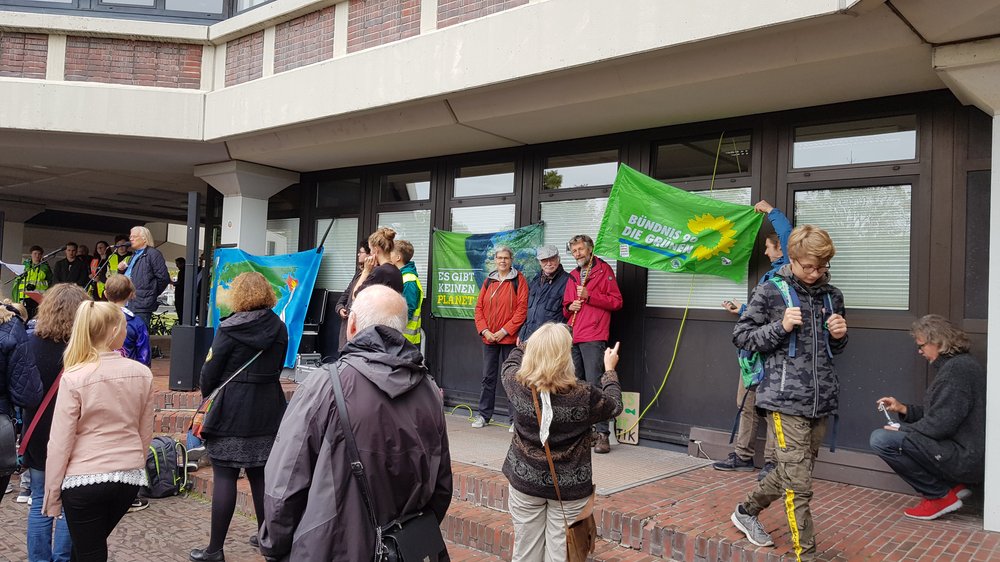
246	188
991	494
972	72
14	215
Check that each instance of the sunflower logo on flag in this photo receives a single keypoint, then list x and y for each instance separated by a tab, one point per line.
707	223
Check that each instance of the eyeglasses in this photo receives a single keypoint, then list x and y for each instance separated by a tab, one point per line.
920	346
810	269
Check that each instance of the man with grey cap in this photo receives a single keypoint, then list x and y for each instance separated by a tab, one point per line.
545	292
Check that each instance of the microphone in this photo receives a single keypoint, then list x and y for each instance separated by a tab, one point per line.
122	245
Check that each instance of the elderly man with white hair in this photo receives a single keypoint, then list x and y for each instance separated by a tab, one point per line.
148	272
313	505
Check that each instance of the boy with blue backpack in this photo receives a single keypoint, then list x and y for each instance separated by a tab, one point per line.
751	366
796	322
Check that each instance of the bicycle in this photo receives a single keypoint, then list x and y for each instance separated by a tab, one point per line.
159	325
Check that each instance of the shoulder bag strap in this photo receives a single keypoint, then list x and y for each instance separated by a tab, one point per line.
357	469
38	414
548	456
234	375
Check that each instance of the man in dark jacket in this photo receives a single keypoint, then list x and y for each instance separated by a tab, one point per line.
148	272
20	383
545	292
313	507
72	269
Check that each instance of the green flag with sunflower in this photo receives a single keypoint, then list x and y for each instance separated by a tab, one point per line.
657	226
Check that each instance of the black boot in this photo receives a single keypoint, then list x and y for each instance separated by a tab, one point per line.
203	555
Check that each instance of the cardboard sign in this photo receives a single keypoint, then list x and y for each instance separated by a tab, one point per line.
628	418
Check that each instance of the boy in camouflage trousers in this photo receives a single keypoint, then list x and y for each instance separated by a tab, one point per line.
801	388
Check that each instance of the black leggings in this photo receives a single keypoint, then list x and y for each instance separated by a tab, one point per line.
92	512
224	501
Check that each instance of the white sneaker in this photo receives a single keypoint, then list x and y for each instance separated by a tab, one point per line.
24	496
10	488
479	422
511	428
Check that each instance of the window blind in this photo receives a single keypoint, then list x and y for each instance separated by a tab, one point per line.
565	219
673	289
415	227
870	227
340	253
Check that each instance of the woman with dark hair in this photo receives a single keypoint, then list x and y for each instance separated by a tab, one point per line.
98	276
244	420
343	306
541	372
47	343
939	446
20	384
102	425
378	268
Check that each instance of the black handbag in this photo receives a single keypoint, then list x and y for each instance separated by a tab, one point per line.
8	446
414	537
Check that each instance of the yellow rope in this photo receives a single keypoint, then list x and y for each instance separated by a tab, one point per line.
687	307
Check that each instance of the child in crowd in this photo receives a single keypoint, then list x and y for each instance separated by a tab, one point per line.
796	320
119	290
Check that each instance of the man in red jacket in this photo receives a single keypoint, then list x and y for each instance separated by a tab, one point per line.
591	296
500	310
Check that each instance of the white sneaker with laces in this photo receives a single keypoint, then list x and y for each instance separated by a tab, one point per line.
479	422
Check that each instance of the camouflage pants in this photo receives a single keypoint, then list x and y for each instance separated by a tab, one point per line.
798	439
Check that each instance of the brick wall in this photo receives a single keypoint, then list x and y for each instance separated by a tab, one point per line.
304	40
451	12
245	59
23	55
376	22
140	63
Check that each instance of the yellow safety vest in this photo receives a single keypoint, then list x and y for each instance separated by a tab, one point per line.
37	275
412	331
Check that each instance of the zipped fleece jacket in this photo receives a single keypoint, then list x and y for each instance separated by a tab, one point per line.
313	505
593	321
950	426
806	384
498	306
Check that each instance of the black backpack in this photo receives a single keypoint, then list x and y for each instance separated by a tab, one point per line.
166	468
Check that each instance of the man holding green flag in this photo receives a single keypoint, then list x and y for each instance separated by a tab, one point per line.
651	224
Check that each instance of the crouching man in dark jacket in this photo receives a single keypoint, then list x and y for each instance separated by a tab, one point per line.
313	507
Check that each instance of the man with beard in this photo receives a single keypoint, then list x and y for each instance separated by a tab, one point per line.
590	297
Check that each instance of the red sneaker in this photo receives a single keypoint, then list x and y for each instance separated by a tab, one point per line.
961	492
932	509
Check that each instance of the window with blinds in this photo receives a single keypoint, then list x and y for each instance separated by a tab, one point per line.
414	226
679	290
565	219
340	253
481	220
870	227
282	236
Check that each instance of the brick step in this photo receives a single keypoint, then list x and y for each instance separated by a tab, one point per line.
461	553
490	531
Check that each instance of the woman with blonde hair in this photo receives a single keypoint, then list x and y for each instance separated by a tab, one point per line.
543	370
378	268
101	427
244	419
47	343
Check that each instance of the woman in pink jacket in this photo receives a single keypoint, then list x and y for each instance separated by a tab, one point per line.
101	427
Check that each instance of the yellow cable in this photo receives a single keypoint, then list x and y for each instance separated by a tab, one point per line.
687	307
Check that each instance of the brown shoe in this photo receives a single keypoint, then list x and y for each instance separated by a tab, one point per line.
602	446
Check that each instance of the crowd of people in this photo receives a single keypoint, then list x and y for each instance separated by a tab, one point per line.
326	485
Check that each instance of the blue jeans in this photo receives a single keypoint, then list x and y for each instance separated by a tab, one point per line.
41	546
909	463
